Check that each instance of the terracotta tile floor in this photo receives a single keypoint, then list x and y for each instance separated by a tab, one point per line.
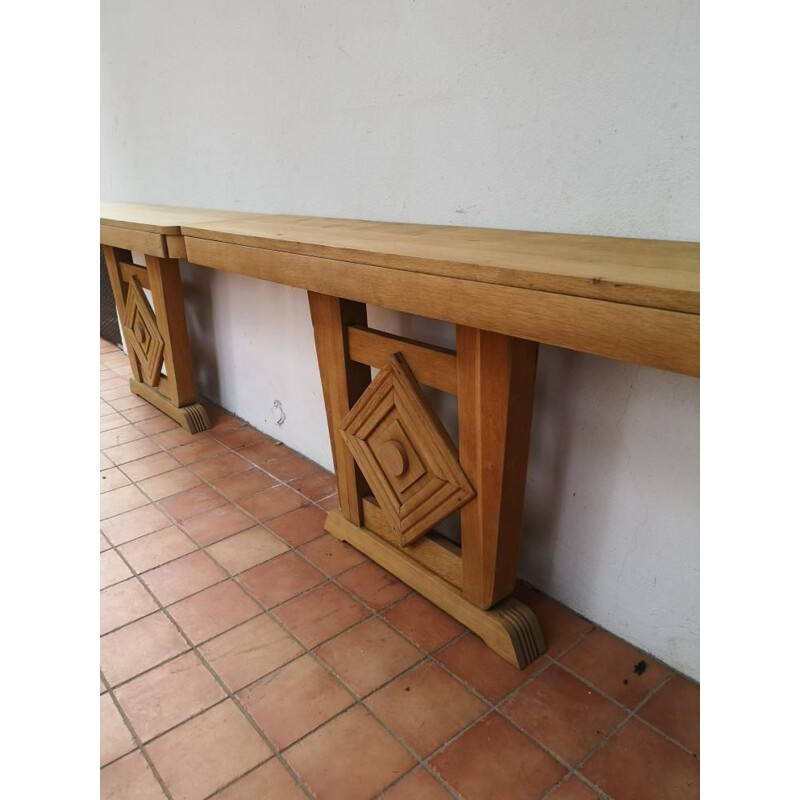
247	654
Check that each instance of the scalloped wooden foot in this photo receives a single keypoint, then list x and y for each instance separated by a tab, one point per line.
509	628
192	417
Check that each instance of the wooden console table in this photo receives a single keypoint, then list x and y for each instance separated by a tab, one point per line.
398	473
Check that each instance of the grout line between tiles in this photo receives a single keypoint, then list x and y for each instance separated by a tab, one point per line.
139	746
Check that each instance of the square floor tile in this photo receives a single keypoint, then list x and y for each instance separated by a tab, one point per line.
424	623
147	467
638	762
119	435
131	451
111	422
207	752
270	781
675	710
244	550
141	413
238	437
124	603
212	469
290	466
157	548
351	757
563	714
213	611
249	651
293	700
114	387
168	483
374	586
183	577
217	524
175	437
425	707
167	695
117	501
115	738
330	503
133	524
156	425
301	526
493	759
615	667
243	484
130	778
418	785
189	504
332	556
134	401
315	485
112	569
369	655
320	614
281	579
141	645
105	463
112	479
264	452
477	665
272	503
198	450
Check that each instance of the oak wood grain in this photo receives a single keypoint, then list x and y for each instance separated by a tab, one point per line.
433	366
646	272
164	220
433	551
654	337
128	239
165	285
495	400
343	382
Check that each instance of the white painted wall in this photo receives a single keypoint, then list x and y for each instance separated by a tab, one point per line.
575	116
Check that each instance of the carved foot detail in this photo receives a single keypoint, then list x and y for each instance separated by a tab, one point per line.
194	417
522	627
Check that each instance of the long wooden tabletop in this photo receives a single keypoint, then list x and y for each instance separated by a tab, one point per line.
633	299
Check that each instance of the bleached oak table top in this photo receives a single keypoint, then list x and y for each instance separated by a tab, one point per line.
632	299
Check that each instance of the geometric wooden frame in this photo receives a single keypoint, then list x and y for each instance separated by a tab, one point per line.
156	336
143	336
404	453
493	377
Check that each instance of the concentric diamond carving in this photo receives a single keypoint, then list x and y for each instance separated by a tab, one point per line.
142	334
406	456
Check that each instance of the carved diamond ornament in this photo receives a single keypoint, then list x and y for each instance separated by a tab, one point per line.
406	456
142	334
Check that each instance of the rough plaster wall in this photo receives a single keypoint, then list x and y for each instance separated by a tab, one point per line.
568	116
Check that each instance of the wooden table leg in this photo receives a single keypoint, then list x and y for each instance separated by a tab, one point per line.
493	376
156	336
496	377
343	382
